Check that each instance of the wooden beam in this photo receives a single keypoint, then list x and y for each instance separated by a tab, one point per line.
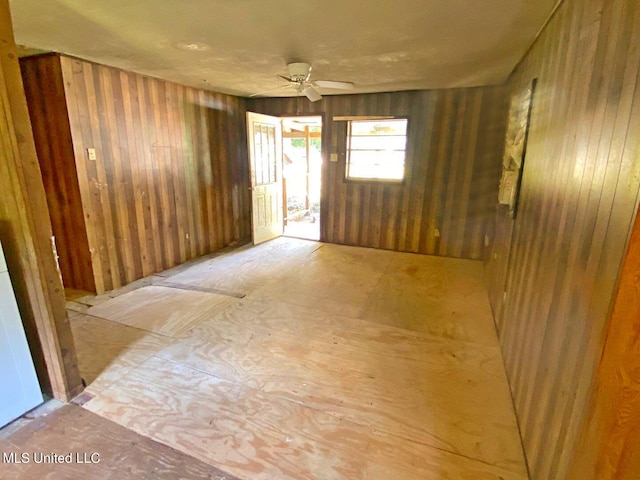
301	135
307	145
25	231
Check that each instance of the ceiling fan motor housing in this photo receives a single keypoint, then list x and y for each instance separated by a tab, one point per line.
299	72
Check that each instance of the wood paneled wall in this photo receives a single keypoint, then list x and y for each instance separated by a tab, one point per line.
42	78
25	232
452	170
579	197
609	447
170	176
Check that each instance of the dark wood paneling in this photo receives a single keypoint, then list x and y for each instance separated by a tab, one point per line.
170	179
578	201
451	180
25	232
44	88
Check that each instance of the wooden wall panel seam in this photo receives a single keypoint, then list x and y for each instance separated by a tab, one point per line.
444	189
161	190
578	200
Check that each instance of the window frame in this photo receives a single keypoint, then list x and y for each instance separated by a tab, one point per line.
347	156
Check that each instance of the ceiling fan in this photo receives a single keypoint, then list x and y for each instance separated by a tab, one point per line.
300	79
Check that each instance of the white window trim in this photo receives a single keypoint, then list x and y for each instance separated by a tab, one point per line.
388	180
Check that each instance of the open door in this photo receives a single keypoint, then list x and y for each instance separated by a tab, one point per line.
265	159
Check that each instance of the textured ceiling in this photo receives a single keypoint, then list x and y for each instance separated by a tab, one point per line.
379	45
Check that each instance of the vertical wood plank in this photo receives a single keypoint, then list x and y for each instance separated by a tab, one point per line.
26	232
165	185
445	158
49	119
578	200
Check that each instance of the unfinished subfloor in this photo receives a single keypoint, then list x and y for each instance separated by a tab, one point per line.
301	360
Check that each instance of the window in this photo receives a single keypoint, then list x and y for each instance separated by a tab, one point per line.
376	150
264	143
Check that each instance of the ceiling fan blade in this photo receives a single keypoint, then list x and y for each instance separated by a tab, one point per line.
333	84
311	93
286	78
270	90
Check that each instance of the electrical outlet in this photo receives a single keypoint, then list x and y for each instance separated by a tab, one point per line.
334	157
91	152
436	232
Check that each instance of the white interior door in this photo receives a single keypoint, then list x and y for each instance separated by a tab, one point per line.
265	159
19	388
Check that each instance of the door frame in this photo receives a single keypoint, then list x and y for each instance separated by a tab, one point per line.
325	159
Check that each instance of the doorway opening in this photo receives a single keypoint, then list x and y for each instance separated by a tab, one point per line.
302	158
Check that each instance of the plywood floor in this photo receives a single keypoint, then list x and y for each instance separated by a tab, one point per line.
99	449
301	360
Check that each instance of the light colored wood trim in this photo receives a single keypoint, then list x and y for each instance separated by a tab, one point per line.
26	229
301	135
307	145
